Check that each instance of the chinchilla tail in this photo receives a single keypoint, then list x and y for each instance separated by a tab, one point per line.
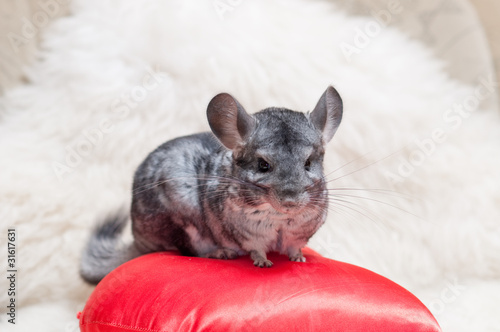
105	251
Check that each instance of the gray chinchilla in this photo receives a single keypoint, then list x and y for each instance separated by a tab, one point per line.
253	185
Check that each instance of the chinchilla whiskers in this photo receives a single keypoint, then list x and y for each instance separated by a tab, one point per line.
318	204
155	184
346	203
346	196
338	208
343	204
220	179
350	194
353	193
385	192
346	164
355	207
214	194
312	187
361	168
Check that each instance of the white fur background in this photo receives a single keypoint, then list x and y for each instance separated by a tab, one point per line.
117	78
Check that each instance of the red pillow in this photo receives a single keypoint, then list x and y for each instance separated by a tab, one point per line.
168	292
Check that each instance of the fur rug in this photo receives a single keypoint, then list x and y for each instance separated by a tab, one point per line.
117	78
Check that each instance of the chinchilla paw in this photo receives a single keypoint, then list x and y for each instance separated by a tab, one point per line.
298	258
260	259
262	262
222	254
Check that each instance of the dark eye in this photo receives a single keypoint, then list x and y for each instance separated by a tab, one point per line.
307	164
263	166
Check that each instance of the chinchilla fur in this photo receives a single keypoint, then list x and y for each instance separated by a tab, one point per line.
253	185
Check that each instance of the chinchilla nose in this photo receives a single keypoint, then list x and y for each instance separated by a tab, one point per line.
290	191
291	198
289	203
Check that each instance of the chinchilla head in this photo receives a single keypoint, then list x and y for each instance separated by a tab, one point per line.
277	153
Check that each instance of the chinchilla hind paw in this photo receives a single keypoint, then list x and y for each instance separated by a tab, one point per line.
222	253
298	258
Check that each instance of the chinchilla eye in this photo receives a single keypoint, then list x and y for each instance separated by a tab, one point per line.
307	164
264	166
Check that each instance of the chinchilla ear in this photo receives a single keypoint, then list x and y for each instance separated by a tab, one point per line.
327	114
229	121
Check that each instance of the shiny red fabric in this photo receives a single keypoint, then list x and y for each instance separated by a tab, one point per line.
168	292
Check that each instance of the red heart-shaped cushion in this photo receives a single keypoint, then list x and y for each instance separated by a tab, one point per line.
168	292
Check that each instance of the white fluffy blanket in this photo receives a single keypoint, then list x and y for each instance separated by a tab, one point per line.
117	78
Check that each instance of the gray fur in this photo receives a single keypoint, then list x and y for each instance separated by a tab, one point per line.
206	196
104	251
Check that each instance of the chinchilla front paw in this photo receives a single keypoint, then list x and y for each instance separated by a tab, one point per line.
260	259
296	256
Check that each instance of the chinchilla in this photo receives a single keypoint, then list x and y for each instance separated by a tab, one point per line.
253	185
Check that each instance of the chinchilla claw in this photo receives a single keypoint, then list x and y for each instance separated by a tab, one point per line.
298	258
262	262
